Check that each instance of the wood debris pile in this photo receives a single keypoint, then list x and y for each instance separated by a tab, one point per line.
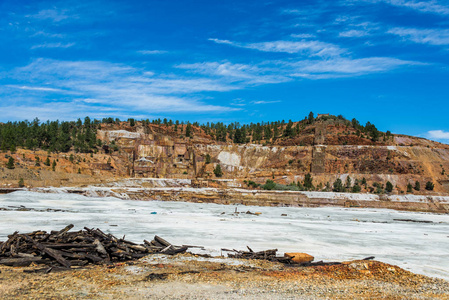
67	249
265	255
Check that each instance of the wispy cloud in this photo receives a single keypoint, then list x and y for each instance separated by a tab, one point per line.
291	11
423	36
45	34
430	6
248	74
306	47
52	14
344	67
302	35
354	33
53	45
286	70
438	134
35	88
265	102
105	86
152	52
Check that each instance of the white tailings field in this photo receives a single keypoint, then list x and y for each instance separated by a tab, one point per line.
328	233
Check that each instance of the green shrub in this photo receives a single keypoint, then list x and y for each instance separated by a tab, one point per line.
10	164
218	171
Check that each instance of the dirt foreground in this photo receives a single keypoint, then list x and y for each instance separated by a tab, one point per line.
190	277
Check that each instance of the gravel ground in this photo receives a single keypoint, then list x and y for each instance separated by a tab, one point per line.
190	277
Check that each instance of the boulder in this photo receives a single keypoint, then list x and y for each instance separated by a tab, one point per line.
300	257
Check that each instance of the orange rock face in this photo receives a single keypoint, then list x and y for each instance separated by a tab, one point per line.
300	257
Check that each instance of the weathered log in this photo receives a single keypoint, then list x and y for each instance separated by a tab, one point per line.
72	245
138	248
21	262
161	241
369	258
100	248
25	255
94	258
73	255
50	252
62	231
6	245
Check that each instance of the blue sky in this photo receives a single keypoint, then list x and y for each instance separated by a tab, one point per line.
383	61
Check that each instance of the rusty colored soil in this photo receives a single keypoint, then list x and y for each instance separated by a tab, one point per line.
190	277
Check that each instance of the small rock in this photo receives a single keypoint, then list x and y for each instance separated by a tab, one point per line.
393	270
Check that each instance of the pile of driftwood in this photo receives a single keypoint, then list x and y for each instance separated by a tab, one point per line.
67	249
265	255
271	256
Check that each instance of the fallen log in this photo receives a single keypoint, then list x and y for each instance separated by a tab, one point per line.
21	262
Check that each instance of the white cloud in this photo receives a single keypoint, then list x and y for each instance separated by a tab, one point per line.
286	70
430	6
306	47
438	134
354	33
302	35
265	102
52	14
423	36
218	41
102	86
290	11
151	52
35	88
53	45
247	74
48	34
344	67
238	102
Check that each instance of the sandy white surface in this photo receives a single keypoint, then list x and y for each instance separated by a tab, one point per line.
331	234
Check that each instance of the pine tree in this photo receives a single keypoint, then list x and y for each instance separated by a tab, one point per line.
348	182
189	130
288	132
389	187
10	164
217	171
311	118
239	137
429	186
356	188
417	186
338	186
308	181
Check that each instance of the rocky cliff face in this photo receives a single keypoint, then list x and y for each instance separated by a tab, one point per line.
398	159
326	149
